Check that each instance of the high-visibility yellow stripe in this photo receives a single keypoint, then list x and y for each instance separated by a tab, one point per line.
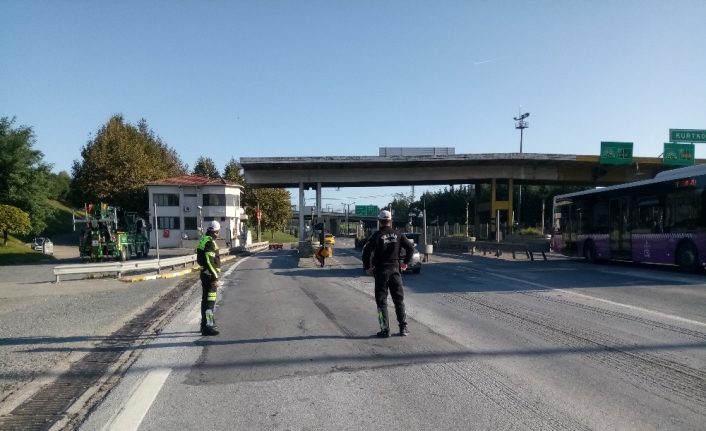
211	296
213	271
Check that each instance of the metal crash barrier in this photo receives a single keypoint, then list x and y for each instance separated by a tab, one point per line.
120	268
498	247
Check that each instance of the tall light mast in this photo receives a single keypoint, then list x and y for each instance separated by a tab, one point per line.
521	124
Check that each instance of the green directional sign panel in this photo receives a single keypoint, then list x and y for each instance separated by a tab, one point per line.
616	153
687	135
678	154
366	210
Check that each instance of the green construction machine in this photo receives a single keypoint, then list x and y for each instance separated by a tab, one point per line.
112	234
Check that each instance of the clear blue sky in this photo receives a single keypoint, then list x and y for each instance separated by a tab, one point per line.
303	78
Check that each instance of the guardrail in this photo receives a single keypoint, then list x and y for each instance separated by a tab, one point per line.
139	265
499	247
256	246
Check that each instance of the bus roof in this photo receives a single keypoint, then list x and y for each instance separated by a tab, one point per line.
673	174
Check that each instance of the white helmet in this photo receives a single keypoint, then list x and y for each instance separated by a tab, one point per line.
214	226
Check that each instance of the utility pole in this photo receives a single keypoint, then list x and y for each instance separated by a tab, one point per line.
542	216
521	124
156	237
258	215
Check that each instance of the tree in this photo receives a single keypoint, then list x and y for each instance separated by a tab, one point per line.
205	167
60	185
275	207
168	157
400	205
24	177
13	220
116	164
232	172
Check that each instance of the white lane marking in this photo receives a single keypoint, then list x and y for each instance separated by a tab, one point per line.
130	415
650	277
194	315
605	301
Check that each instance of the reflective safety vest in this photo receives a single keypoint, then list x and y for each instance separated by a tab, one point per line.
207	256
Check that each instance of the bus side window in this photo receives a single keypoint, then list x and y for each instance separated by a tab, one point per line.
600	218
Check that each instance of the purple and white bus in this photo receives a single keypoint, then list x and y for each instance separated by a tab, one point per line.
662	220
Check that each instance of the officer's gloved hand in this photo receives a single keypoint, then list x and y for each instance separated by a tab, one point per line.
214	284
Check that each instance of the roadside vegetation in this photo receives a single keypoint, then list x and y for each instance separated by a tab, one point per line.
450	204
277	237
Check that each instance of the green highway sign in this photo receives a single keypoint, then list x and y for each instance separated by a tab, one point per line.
687	135
678	154
616	153
366	210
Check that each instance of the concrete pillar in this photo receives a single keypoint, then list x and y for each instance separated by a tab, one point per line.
493	202
476	219
301	211
318	200
510	211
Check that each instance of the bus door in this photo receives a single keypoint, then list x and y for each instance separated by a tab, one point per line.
620	240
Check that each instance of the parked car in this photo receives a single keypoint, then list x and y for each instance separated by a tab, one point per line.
413	236
43	244
329	239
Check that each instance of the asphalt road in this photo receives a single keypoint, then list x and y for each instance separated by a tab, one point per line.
44	326
495	344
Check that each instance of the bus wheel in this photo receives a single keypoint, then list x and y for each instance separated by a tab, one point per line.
687	258
589	252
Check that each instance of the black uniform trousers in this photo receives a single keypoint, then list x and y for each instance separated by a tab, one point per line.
389	280
207	303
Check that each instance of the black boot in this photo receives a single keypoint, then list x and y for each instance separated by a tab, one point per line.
209	331
385	333
404	331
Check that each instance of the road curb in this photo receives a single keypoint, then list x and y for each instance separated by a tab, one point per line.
169	275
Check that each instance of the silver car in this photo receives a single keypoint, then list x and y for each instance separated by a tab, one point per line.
415	265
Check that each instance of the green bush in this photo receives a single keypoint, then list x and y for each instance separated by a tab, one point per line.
530	231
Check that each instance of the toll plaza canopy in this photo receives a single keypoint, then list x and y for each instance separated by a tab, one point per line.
510	168
520	168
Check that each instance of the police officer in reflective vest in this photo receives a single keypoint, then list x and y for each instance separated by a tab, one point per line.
384	248
207	258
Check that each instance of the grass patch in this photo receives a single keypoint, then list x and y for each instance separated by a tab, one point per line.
16	252
530	231
280	237
62	221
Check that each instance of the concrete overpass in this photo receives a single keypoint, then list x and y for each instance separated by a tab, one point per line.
510	168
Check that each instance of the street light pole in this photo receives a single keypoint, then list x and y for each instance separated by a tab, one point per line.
521	124
348	210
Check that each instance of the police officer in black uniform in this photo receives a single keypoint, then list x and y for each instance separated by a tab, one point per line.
384	246
207	258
